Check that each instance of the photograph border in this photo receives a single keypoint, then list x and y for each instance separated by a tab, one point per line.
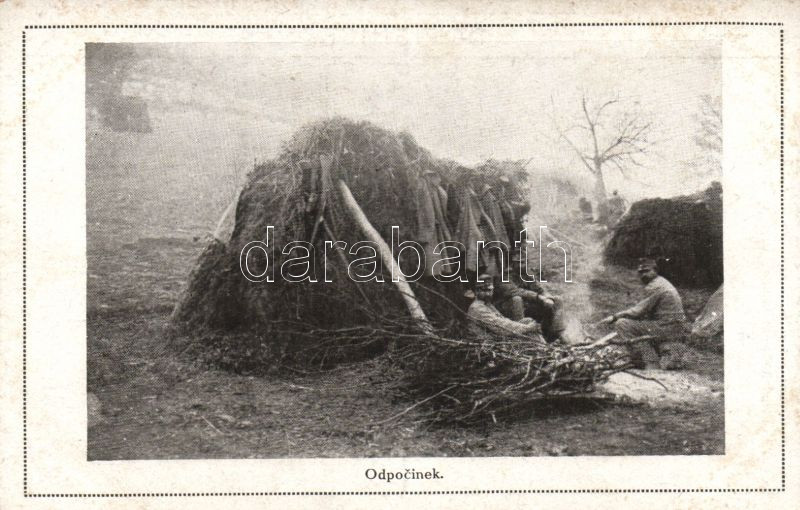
25	445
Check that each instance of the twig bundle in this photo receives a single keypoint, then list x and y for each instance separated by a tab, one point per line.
453	376
471	378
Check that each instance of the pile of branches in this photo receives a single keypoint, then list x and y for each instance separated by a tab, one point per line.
468	380
450	375
472	379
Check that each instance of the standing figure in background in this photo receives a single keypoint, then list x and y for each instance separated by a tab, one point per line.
617	206
586	210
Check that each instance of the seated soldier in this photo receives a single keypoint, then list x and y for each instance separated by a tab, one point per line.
485	318
659	315
517	299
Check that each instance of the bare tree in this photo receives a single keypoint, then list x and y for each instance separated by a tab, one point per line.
607	139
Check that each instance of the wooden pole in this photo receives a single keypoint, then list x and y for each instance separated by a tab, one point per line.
224	220
416	311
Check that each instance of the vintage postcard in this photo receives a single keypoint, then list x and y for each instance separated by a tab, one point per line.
359	258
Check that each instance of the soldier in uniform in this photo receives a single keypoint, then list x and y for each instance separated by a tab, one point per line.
517	299
616	208
486	320
659	315
586	209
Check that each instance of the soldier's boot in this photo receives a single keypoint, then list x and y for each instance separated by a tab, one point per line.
672	356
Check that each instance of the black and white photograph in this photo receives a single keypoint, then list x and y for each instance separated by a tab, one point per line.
409	248
364	255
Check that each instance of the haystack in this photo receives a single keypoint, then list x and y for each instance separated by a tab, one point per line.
339	180
684	234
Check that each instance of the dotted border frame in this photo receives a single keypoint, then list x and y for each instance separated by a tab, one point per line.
28	494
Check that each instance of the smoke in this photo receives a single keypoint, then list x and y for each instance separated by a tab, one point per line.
587	261
576	298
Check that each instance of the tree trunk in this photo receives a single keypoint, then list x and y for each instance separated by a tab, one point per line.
600	193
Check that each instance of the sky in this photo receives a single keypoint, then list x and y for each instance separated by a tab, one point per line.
232	104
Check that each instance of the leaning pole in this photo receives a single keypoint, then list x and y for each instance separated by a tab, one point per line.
414	308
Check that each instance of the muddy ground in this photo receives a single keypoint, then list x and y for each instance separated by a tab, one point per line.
149	400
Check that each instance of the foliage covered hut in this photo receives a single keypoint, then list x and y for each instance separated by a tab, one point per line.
396	183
